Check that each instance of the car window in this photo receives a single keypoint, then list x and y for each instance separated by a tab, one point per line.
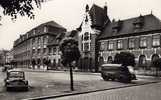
16	75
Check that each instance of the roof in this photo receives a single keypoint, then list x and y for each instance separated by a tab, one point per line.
98	16
57	40
53	23
127	27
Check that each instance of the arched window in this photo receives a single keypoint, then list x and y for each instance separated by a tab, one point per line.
142	61
110	60
154	57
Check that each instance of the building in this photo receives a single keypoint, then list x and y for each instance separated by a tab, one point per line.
139	35
101	38
3	56
91	27
35	49
9	57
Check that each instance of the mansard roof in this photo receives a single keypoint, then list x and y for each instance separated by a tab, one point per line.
149	23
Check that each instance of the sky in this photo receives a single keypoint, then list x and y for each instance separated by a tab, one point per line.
69	14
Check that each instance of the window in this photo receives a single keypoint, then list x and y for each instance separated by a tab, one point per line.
156	40
39	40
54	50
86	36
131	43
86	46
34	31
44	39
143	42
45	29
33	41
49	50
33	51
111	45
38	51
119	44
44	50
102	47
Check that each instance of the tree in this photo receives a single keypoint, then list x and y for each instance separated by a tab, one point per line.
70	53
157	64
22	7
125	58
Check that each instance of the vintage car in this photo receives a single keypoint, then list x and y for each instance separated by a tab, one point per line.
117	72
16	80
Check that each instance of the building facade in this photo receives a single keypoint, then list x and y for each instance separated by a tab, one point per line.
90	28
32	48
140	35
101	38
3	56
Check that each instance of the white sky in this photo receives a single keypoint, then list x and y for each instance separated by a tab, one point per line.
69	13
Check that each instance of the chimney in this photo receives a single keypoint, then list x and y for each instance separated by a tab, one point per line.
105	8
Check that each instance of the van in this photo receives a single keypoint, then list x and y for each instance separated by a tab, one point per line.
117	72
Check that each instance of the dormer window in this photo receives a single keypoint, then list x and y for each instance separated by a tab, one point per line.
34	31
45	29
139	22
117	26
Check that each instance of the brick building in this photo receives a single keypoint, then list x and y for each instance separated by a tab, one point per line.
35	47
100	38
140	35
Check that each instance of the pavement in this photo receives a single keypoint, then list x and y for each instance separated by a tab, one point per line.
143	80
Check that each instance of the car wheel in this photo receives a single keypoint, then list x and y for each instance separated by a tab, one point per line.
105	78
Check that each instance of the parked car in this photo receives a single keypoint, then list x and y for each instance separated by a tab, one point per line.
6	67
117	72
16	80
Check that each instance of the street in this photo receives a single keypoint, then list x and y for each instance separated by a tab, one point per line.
145	92
57	83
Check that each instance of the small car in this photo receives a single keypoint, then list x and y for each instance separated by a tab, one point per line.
16	80
117	72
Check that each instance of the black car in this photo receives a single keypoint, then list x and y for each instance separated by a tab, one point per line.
117	72
16	80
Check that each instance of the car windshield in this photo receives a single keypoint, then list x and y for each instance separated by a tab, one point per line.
15	74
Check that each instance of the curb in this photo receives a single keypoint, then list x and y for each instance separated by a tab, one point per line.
86	92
